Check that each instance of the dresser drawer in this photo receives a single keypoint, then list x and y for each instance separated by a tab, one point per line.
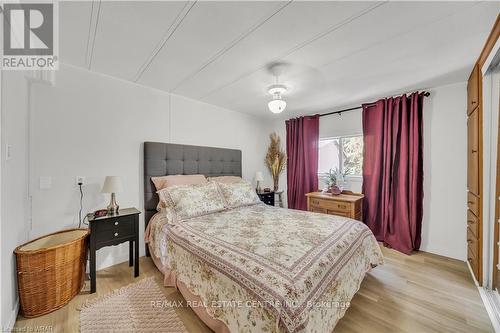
473	203
338	213
474	265
472	223
331	205
472	244
318	210
115	228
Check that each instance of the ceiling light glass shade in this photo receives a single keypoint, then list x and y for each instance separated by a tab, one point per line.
277	105
277	89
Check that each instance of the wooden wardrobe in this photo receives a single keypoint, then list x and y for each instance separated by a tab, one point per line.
474	172
475	193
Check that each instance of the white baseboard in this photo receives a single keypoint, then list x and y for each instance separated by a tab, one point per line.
472	274
13	317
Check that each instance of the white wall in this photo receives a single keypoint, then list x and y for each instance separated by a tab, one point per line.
14	203
445	140
444	229
93	125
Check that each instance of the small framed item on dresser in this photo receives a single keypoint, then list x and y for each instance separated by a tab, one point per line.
111	230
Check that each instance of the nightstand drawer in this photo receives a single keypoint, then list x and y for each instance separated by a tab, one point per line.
115	228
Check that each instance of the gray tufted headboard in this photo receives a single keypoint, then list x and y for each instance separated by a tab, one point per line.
162	159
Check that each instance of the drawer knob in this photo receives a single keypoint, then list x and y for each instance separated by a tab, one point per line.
116	223
116	234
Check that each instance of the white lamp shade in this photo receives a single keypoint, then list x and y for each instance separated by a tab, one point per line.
277	105
258	176
112	184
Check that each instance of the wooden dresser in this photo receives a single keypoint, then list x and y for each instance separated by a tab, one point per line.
348	205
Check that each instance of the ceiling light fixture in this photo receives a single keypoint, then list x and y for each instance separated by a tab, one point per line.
277	105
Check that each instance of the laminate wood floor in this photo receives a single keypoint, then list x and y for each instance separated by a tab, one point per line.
418	293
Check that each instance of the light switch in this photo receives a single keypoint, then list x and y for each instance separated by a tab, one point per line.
45	182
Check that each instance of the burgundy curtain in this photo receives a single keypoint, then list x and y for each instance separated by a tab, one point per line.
393	170
302	136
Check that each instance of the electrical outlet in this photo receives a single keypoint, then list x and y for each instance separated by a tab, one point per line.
80	180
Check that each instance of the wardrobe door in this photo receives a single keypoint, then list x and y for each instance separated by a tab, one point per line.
473	90
473	152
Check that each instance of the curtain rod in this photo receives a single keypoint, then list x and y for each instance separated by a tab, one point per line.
426	94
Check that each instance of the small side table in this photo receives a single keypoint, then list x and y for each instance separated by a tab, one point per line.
266	197
112	230
279	202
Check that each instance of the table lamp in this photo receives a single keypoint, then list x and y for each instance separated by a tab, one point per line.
259	178
112	184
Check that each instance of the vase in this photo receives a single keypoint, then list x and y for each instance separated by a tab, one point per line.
335	190
275	184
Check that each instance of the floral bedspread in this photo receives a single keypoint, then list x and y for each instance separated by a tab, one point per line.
267	269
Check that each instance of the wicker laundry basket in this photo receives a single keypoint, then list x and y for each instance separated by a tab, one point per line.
50	271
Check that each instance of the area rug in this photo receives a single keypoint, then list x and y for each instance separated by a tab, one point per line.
138	307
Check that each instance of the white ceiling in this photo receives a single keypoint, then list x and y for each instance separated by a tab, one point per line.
336	53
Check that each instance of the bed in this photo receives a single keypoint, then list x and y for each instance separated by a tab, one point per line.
254	268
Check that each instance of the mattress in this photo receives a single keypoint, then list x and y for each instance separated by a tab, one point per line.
262	269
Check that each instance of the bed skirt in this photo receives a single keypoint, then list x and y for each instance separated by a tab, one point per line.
170	280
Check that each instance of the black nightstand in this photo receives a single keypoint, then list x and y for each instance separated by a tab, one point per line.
113	230
266	197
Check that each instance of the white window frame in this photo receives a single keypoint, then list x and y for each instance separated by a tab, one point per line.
341	157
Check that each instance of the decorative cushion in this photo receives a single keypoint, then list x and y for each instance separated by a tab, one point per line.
239	194
192	200
167	181
226	179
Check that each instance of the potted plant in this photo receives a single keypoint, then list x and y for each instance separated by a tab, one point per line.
333	181
275	159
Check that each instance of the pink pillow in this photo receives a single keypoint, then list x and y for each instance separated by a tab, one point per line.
167	181
226	179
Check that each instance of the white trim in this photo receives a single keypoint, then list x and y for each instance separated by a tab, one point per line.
13	317
490	57
472	274
492	304
490	300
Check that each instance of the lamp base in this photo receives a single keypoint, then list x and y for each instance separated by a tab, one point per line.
258	188
113	206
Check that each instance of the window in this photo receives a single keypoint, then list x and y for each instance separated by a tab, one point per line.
343	153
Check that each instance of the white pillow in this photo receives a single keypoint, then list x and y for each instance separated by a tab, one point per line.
190	201
239	194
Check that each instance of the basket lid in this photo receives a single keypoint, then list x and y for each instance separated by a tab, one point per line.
53	240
